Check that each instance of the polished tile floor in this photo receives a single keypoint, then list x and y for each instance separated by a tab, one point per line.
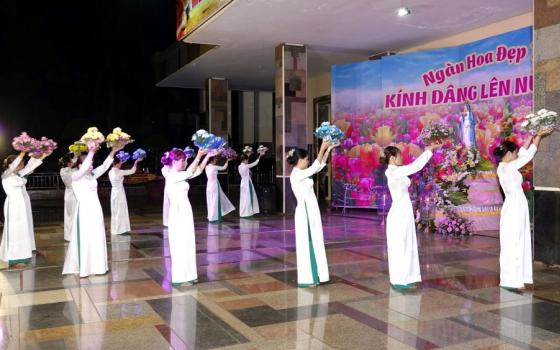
247	296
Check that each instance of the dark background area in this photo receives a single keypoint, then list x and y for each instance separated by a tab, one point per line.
68	65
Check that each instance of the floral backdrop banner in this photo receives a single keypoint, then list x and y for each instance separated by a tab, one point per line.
480	91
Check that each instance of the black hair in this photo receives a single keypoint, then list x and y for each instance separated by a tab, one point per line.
501	151
244	157
65	159
9	160
295	155
116	161
388	152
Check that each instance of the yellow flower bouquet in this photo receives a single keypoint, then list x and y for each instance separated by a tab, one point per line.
118	137
78	147
94	135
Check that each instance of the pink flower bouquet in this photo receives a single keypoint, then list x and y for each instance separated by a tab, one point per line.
23	142
229	153
43	147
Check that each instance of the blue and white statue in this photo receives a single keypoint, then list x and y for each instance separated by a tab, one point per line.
468	127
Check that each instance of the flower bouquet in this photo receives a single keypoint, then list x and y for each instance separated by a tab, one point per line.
229	153
165	159
189	152
139	154
42	147
262	150
205	140
94	135
23	142
543	120
118	137
123	156
454	225
248	150
78	147
435	132
329	132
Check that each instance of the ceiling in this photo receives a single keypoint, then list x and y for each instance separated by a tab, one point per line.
335	31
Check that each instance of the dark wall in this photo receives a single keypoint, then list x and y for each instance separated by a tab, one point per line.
67	65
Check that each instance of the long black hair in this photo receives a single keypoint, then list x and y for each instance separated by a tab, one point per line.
501	151
388	152
295	154
65	159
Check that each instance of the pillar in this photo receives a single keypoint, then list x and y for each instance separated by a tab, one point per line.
217	101
291	125
547	160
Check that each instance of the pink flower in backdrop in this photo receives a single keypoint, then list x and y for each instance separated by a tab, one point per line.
383	136
340	160
409	151
367	183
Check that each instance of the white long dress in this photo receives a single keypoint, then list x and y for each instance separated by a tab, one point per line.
180	232
312	266
18	240
69	200
516	261
87	251
217	202
164	172
248	202
402	248
120	222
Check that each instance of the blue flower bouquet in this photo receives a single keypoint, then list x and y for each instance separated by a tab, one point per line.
139	154
329	132
123	156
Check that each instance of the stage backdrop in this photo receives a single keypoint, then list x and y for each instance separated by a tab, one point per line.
389	101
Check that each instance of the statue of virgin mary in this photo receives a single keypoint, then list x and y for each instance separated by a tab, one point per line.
468	127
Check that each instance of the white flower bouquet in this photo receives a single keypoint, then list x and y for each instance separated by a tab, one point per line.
543	120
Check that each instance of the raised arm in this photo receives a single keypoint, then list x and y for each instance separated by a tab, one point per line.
31	165
523	157
132	170
527	153
84	168
100	170
328	152
254	163
202	164
310	171
416	166
223	167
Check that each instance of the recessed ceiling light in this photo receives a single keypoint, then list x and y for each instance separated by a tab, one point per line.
403	11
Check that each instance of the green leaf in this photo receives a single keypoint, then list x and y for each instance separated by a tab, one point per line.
485	165
458	198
